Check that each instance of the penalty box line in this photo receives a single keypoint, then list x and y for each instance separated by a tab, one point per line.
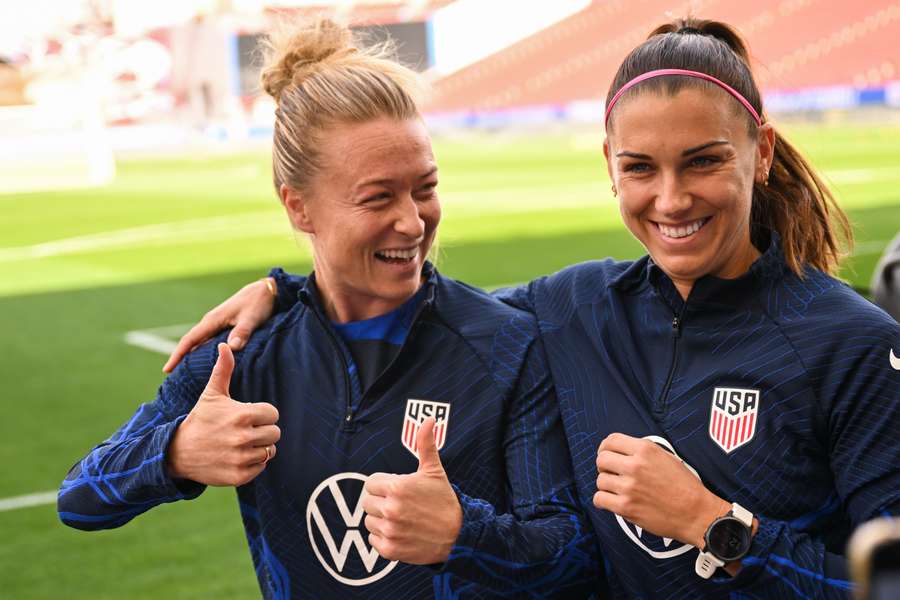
28	500
161	340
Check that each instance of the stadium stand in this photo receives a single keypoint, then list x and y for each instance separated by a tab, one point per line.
799	43
365	13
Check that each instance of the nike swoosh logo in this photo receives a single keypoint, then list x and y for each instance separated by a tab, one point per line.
895	362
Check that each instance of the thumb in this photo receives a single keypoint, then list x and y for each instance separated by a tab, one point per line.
429	459
220	378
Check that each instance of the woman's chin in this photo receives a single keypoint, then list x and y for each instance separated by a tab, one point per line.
398	290
683	269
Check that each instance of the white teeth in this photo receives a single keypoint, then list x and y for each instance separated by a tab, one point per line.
682	231
399	254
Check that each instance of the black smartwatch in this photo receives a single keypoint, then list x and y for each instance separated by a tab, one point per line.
727	539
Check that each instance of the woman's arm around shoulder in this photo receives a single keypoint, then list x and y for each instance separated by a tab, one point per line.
544	546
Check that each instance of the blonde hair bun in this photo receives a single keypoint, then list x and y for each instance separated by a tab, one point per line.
292	52
319	75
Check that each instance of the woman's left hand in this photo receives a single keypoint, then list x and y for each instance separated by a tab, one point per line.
414	518
653	489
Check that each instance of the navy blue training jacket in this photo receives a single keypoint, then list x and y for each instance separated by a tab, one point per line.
781	392
468	358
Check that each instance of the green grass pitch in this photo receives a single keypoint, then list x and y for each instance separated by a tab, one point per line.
171	237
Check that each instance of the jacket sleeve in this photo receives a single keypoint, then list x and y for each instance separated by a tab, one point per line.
126	474
849	368
288	286
544	546
520	297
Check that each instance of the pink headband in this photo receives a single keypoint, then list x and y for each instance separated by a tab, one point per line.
697	74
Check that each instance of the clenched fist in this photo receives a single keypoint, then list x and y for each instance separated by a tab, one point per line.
641	482
223	442
414	518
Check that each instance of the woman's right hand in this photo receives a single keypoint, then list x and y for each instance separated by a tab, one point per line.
246	310
222	441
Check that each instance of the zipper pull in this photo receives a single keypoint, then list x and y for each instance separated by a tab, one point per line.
676	326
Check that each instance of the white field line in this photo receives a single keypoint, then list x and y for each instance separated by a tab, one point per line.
149	341
161	340
851	176
28	500
232	227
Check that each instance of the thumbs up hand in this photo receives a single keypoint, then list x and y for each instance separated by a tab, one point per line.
414	518
223	442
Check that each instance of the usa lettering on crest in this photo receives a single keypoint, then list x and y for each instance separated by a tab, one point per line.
732	420
416	413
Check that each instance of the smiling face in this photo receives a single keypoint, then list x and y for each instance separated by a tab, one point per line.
684	168
372	212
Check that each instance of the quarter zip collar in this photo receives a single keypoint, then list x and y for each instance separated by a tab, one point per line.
355	395
708	291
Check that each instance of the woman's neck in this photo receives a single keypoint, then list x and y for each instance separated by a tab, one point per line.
343	303
735	269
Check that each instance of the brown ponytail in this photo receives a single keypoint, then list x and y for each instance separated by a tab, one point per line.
796	202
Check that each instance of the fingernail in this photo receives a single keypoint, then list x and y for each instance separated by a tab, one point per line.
236	343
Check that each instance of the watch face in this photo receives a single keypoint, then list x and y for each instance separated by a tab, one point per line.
728	539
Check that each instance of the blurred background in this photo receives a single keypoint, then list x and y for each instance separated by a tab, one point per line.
135	193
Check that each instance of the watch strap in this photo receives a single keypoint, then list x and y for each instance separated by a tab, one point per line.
742	514
706	564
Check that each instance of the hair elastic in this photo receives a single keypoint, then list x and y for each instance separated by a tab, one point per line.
697	74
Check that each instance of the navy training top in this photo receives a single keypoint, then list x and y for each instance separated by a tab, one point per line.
473	362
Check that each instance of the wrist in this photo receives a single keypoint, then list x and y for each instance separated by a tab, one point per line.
454	530
457	523
713	508
172	462
172	468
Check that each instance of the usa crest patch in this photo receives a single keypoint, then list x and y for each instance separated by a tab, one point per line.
732	420
416	413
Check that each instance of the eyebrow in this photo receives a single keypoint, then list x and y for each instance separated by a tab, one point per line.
385	182
687	152
430	172
696	149
633	155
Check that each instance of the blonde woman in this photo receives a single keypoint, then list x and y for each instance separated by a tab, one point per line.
395	434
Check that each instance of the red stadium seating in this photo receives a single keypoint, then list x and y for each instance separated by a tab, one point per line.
376	13
796	43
